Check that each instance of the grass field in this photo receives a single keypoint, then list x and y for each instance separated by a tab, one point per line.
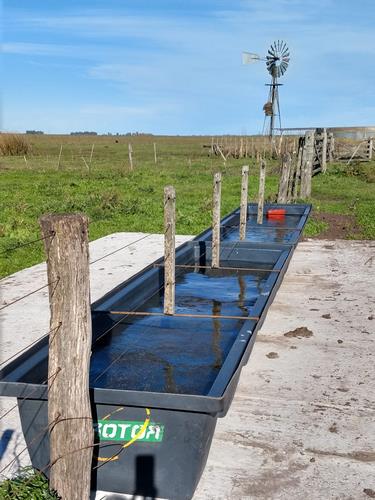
117	199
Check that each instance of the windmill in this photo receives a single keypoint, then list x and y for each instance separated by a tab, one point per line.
277	61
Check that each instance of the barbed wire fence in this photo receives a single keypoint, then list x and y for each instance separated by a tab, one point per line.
70	343
51	335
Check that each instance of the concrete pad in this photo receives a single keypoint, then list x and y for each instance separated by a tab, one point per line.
302	423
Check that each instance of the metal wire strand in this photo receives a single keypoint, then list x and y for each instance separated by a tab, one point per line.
21	245
28	294
31	344
122	248
22	400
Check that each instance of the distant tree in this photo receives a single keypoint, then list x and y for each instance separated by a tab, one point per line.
86	132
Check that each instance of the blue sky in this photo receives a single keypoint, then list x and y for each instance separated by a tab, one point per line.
174	67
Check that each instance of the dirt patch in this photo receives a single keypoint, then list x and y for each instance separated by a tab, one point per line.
369	492
272	355
300	332
360	456
339	226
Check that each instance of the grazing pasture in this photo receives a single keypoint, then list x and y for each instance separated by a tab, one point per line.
92	174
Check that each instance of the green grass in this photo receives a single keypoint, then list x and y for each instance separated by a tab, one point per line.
315	227
27	485
117	199
341	192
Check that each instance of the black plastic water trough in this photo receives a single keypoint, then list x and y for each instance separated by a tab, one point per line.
272	230
180	372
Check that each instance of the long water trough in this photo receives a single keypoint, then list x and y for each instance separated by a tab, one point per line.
159	382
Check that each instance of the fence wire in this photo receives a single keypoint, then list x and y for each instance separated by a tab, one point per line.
28	294
21	245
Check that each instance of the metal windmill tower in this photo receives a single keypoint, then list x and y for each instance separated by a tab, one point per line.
277	61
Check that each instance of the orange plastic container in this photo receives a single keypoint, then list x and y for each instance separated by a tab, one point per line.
276	213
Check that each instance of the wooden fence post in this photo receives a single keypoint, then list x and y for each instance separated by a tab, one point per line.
370	149
155	155
130	156
324	151
216	202
241	150
71	431
297	182
59	160
292	177
91	153
262	182
307	160
282	196
331	146
243	208
169	248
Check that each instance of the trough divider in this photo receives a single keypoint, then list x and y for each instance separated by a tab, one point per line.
224	268
182	315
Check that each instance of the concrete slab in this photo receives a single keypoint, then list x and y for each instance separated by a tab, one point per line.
302	423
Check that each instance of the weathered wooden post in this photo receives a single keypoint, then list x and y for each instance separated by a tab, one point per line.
59	160
282	196
91	153
216	202
130	156
292	177
155	155
241	150
307	160
243	207
370	148
262	183
71	431
331	146
324	151
297	182
169	248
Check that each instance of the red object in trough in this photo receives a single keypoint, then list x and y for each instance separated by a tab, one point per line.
276	213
